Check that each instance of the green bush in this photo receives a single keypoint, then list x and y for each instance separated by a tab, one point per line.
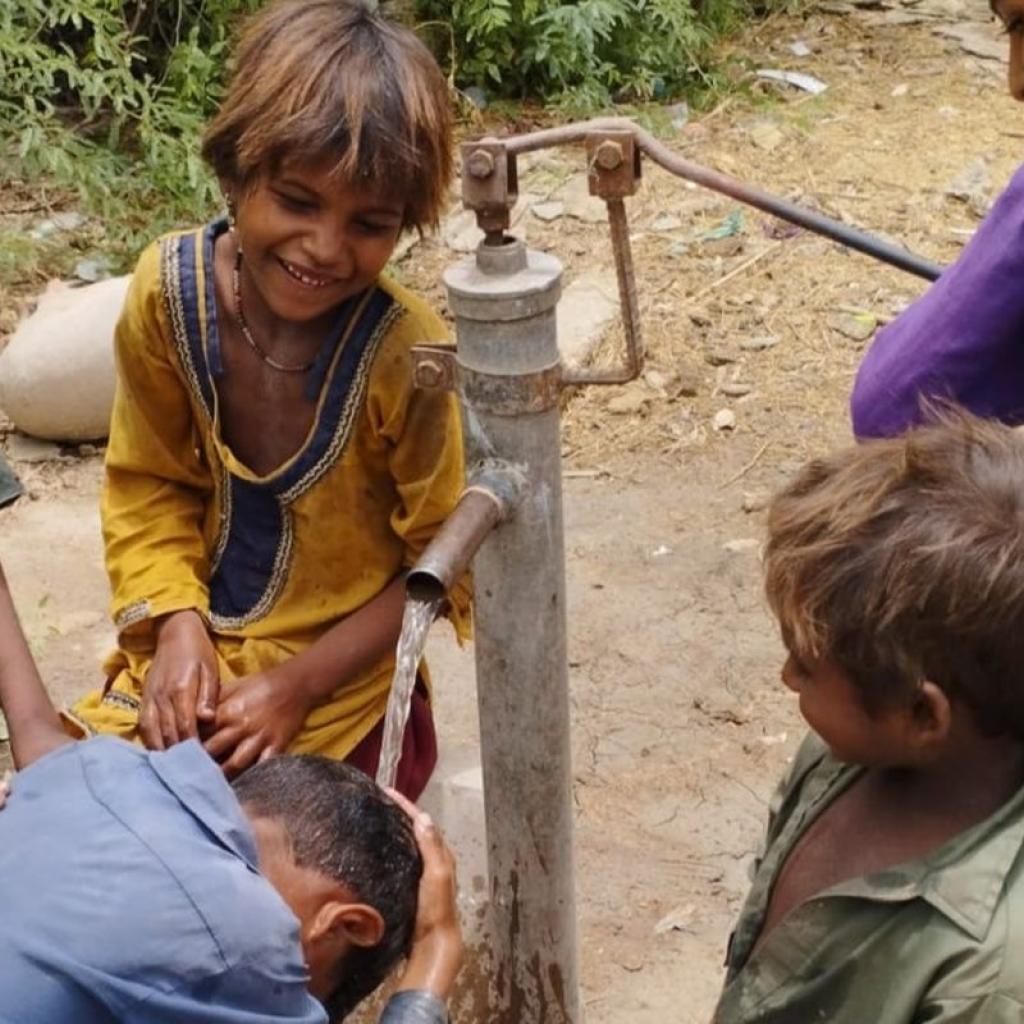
108	98
581	55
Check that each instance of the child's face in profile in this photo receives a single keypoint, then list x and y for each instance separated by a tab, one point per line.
311	241
833	708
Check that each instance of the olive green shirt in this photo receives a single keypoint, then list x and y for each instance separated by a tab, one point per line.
937	940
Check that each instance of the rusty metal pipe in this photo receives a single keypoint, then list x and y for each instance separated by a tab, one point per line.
489	499
634	361
785	210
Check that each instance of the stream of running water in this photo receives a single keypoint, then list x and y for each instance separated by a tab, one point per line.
417	619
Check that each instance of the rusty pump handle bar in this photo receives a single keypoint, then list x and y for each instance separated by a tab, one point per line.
614	150
820	224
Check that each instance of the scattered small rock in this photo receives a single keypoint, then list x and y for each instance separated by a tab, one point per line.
900	90
677	920
588	305
548	211
976	39
580	204
629	403
93	270
666	222
799	48
30	449
973	187
723	247
65	221
725	419
720	356
658	380
759	344
767	136
855	326
755	501
741	545
735	388
688	384
88	451
461	233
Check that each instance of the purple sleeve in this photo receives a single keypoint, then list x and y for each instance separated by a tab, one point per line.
963	339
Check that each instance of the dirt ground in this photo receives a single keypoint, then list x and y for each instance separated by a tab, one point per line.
680	722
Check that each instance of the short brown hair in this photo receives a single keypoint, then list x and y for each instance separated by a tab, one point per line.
902	560
330	78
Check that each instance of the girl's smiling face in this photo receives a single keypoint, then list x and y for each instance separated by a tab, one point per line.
310	242
1011	14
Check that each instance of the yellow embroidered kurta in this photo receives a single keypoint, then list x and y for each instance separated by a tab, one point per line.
271	562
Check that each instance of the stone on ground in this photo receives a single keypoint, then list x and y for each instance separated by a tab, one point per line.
57	373
589	305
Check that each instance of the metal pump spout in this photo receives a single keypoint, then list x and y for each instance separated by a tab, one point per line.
493	492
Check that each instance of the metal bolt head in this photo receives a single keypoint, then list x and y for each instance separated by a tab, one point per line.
480	164
429	374
609	155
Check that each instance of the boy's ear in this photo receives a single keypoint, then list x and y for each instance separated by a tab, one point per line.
932	715
354	924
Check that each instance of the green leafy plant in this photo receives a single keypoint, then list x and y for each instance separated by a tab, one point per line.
108	98
581	55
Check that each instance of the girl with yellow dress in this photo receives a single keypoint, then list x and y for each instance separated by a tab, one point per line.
271	471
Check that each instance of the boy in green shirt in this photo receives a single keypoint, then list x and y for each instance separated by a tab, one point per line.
891	888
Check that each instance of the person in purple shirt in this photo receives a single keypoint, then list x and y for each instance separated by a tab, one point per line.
963	340
140	886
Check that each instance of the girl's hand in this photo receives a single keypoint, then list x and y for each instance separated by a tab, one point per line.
258	717
437	940
180	689
5	788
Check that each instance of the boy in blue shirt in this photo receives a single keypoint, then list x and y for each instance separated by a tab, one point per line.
140	885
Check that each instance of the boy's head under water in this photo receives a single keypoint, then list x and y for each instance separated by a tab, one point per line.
344	858
334	136
896	571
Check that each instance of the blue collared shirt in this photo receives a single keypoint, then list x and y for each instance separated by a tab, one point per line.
130	891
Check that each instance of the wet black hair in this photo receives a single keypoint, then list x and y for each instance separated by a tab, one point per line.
343	825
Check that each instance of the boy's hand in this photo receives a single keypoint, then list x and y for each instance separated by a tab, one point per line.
437	940
258	717
5	788
181	686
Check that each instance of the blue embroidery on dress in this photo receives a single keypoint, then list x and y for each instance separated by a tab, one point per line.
213	356
188	298
255	545
255	559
